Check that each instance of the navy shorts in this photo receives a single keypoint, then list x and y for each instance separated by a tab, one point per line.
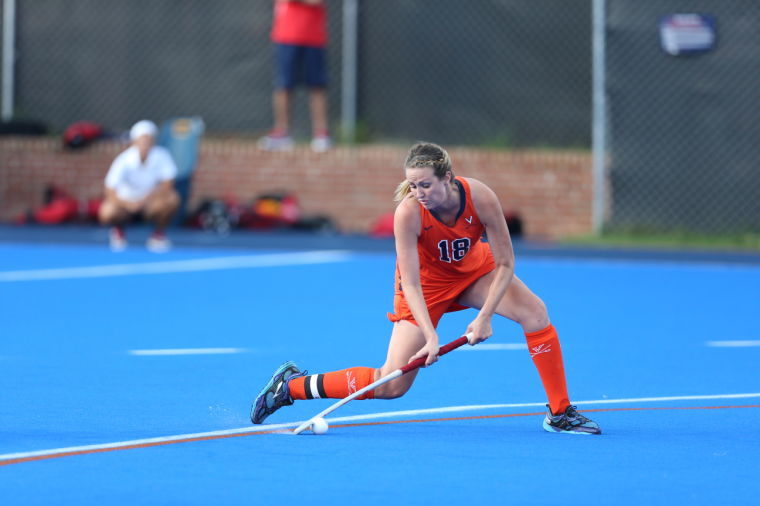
299	64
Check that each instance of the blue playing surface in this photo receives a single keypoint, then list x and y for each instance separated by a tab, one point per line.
646	342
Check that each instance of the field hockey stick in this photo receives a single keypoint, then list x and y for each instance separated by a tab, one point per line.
411	366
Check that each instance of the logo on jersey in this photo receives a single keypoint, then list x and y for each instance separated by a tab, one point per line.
468	220
453	250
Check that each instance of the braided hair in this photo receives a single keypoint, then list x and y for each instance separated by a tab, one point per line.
424	154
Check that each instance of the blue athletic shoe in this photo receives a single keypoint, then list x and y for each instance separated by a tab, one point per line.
275	393
570	422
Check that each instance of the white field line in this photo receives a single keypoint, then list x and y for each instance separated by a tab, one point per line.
733	344
197	265
187	351
494	346
370	416
453	409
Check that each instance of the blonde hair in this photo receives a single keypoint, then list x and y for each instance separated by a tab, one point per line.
424	154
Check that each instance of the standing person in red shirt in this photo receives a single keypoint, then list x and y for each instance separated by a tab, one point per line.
299	33
442	266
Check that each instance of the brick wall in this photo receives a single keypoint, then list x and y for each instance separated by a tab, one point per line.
550	189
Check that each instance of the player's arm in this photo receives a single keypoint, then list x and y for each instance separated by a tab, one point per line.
167	176
162	187
131	206
491	215
113	179
406	228
110	194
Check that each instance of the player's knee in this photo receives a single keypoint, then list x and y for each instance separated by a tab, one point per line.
392	390
534	313
172	200
164	207
539	310
394	393
106	213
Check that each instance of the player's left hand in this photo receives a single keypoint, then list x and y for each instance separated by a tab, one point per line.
430	350
480	330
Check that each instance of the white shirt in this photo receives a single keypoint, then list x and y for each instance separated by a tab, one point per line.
132	179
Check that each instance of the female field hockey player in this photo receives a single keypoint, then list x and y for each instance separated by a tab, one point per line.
443	265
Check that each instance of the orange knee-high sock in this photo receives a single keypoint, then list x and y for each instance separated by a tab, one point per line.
547	356
334	385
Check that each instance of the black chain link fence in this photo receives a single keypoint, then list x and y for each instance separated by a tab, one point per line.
115	63
682	144
493	72
684	129
499	73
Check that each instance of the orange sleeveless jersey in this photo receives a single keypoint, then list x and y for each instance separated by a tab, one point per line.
451	259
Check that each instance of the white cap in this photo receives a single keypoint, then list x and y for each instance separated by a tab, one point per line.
144	127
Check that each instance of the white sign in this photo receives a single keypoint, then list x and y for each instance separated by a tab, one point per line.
687	33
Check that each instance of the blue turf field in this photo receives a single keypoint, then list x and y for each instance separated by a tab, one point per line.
651	344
